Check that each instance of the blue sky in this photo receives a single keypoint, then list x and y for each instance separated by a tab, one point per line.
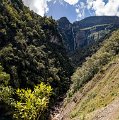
74	10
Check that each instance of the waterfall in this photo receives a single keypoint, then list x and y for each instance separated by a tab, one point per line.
74	46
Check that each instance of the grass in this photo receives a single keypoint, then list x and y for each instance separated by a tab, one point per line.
103	93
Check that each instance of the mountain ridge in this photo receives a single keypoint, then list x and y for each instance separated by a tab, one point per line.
112	22
83	38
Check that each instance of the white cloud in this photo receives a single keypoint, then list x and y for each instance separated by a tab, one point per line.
41	6
38	6
79	15
99	7
89	4
111	8
80	10
72	2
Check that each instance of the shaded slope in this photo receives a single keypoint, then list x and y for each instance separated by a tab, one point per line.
31	48
32	53
66	30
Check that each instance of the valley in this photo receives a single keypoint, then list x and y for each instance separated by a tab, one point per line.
94	95
57	70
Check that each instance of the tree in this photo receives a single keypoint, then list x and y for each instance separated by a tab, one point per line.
31	104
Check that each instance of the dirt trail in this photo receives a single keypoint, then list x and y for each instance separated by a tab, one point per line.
110	112
61	112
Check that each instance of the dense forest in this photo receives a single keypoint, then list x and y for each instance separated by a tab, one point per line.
34	68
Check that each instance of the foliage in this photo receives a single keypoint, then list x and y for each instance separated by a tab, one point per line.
99	93
28	105
31	104
32	53
4	78
5	95
94	64
31	48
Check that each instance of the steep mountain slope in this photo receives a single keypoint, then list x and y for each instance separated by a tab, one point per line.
94	94
83	38
96	20
32	52
66	31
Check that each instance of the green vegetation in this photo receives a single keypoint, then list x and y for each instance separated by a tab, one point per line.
105	91
28	104
94	64
97	81
32	53
35	71
31	104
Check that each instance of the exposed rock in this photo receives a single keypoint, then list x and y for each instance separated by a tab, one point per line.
86	31
82	38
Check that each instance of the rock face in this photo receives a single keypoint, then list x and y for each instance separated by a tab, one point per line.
87	31
66	30
96	97
83	38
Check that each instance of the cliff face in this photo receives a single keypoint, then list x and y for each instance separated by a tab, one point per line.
66	30
83	38
87	31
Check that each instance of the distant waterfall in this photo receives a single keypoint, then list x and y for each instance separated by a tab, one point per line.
74	46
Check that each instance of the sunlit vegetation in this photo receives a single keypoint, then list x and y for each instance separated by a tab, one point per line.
96	81
94	64
104	91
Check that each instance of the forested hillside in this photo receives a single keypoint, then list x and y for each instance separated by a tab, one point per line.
33	56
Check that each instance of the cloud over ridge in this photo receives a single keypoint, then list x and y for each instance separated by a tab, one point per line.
111	8
38	6
99	7
41	6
